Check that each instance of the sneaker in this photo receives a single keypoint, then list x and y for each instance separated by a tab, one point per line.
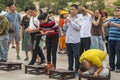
3	60
43	61
109	75
76	74
26	59
117	70
18	57
13	46
111	69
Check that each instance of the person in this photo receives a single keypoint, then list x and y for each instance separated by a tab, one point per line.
72	27
26	38
51	15
105	19
62	44
86	17
4	23
51	31
95	62
96	31
14	19
114	40
33	29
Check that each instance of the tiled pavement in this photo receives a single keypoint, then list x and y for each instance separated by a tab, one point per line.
20	75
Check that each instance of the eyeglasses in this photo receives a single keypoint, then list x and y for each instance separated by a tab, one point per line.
117	10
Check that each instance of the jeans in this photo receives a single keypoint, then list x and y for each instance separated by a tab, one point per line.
85	44
97	42
73	54
114	48
4	46
104	72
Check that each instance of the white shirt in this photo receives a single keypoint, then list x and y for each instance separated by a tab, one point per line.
86	24
33	20
72	30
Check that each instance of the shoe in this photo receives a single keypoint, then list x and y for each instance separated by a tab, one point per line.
18	57
76	74
117	70
43	61
112	69
31	64
109	75
26	59
13	46
3	60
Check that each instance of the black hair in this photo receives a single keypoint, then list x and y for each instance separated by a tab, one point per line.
75	6
61	16
26	9
51	12
82	67
118	7
42	16
32	8
40	10
10	4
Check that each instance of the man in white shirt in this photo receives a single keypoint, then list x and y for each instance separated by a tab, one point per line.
34	30
86	24
72	27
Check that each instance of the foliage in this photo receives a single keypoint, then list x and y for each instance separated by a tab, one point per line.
20	4
109	10
117	3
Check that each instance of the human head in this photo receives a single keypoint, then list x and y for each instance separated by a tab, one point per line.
117	12
85	65
74	10
51	13
97	13
26	10
43	17
32	11
105	15
11	7
40	11
83	11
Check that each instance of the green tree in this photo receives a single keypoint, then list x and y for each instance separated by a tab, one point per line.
117	3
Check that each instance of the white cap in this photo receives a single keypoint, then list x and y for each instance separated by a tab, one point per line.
3	13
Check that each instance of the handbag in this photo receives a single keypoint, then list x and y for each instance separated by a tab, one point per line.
12	26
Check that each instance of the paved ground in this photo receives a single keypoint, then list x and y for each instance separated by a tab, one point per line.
20	75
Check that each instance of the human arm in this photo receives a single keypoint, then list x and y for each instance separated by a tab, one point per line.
87	10
96	23
74	23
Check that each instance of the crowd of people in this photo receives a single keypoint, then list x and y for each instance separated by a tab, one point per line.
81	33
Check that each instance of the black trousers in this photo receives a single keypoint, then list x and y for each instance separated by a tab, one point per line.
36	49
52	44
85	44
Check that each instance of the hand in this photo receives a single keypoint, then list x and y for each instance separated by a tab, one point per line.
96	74
68	20
81	8
46	32
99	16
111	23
42	32
62	34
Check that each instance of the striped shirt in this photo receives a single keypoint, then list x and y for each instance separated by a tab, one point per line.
114	33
